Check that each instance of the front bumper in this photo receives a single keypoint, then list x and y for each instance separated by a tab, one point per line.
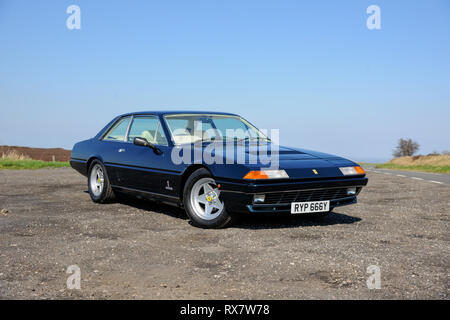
238	196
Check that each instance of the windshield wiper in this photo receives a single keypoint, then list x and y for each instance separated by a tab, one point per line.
252	138
211	140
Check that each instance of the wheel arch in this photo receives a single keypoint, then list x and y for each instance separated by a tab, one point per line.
88	163
187	172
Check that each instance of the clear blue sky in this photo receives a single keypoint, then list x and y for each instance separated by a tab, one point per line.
310	68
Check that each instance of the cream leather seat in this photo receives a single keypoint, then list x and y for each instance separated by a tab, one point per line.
148	136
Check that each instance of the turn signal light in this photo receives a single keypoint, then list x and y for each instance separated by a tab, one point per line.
266	174
360	170
256	175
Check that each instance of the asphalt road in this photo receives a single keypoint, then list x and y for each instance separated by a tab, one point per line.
137	249
418	176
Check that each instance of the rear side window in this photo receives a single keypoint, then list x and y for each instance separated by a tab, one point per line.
148	127
118	131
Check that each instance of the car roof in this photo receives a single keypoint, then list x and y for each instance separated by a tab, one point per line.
167	112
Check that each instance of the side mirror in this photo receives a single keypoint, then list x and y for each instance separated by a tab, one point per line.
144	143
141	142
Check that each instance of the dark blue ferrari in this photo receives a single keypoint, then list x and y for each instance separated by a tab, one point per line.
215	165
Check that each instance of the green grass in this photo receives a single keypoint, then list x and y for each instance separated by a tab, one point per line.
424	168
367	164
30	164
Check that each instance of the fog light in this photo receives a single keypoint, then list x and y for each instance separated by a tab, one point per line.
351	191
259	198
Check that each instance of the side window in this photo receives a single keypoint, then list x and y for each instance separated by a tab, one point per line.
118	131
148	127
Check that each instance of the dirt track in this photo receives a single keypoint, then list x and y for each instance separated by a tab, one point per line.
137	249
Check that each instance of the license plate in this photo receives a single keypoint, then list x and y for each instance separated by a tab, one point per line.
312	206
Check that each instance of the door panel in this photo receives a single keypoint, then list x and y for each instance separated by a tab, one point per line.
144	170
141	168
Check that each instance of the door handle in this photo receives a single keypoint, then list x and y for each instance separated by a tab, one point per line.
121	150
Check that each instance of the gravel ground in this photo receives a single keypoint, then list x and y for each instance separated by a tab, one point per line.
138	249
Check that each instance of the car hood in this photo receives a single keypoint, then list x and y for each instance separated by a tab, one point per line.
303	163
298	163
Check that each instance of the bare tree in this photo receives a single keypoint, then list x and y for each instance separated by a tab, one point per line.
405	147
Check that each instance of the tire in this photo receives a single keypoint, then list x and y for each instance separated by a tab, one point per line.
98	183
202	202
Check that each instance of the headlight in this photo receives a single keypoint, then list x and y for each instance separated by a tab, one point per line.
347	171
267	174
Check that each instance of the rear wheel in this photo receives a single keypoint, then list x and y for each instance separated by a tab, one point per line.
98	183
201	198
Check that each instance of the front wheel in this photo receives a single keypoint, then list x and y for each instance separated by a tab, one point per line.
201	198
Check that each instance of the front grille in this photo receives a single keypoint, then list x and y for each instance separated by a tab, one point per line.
306	195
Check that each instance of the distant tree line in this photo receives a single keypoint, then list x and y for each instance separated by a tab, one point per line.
408	147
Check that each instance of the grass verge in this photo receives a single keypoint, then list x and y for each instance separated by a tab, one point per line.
431	163
367	164
14	164
423	168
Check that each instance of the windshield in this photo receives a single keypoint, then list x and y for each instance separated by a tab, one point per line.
191	128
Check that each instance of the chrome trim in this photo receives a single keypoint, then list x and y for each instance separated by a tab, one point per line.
128	128
288	210
181	114
257	205
112	125
112	164
143	116
148	192
296	190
